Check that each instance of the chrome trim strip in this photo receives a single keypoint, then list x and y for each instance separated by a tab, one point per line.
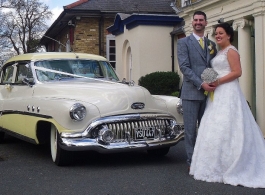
6	112
19	136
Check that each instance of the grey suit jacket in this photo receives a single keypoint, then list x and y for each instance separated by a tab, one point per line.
192	62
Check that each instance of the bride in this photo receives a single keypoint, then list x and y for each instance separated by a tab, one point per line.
230	147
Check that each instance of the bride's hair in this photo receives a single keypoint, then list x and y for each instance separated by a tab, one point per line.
228	29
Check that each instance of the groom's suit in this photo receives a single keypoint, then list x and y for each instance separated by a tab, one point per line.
193	60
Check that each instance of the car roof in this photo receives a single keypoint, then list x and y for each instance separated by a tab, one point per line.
54	55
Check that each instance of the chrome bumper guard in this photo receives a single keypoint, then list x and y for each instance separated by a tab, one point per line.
122	126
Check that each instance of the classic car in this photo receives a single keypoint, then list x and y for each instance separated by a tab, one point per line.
76	102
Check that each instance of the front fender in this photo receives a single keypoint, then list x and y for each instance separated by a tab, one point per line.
171	102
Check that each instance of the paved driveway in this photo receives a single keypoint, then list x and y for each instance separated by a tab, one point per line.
28	169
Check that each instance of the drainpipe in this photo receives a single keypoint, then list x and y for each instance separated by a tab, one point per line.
101	23
172	53
179	32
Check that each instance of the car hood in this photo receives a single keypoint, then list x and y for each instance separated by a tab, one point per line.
109	97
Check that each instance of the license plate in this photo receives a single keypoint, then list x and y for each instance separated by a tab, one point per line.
145	133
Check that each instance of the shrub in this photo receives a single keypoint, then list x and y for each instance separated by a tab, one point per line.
176	94
160	83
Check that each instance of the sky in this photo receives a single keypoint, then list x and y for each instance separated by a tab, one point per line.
56	7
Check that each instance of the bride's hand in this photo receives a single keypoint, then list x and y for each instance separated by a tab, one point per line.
215	83
208	87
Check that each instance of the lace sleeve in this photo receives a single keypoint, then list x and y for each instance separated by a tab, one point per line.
227	49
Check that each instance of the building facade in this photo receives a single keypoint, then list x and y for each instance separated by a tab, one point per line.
143	44
81	27
247	17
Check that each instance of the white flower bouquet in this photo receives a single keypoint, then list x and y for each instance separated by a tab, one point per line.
209	75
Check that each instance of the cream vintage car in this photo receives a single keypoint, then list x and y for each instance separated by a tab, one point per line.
76	102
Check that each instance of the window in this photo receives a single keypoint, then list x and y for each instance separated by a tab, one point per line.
111	50
23	71
7	74
55	70
184	3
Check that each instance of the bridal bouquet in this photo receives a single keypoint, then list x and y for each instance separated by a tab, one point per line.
209	75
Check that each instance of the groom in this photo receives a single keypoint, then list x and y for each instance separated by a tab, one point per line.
194	55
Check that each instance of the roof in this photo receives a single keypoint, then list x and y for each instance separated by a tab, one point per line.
131	21
54	55
74	4
106	8
128	6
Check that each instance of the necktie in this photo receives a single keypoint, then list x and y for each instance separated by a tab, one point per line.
201	43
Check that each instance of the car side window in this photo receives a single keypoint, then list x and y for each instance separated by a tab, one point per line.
23	71
7	74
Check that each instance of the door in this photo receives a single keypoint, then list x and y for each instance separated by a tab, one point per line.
15	97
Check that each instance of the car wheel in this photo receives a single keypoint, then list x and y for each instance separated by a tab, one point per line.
159	151
2	135
59	156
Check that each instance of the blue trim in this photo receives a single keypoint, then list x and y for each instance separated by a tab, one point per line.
136	20
118	26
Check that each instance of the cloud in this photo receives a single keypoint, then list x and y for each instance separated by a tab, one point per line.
56	12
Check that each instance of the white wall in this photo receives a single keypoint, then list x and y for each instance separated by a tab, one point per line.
150	47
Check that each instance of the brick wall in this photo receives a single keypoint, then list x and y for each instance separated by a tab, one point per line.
86	37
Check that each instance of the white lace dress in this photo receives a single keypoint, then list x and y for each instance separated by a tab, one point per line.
230	147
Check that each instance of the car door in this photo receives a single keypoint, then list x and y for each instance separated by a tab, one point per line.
7	74
15	97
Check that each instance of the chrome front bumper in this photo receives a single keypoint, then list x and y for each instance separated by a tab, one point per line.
87	144
84	142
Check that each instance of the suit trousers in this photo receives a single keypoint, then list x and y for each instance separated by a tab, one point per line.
192	114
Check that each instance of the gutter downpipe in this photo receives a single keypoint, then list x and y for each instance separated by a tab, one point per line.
172	53
176	32
101	22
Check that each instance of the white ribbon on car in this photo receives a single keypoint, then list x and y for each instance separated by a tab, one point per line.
69	74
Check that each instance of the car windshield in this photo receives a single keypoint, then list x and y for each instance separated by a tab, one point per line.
49	70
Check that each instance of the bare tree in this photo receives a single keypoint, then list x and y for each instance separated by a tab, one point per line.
6	4
23	25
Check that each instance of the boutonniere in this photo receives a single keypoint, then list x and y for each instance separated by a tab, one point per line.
210	47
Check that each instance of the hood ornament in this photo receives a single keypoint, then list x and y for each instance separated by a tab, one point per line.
137	105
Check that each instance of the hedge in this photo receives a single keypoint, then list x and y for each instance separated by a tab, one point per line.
161	83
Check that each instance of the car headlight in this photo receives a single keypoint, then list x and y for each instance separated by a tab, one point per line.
78	112
179	107
105	134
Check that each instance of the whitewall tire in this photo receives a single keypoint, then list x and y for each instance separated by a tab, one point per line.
59	156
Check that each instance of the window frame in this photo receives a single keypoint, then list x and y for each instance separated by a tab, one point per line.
110	38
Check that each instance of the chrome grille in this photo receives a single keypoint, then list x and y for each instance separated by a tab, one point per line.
122	129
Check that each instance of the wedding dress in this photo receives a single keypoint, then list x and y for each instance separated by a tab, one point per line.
230	146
